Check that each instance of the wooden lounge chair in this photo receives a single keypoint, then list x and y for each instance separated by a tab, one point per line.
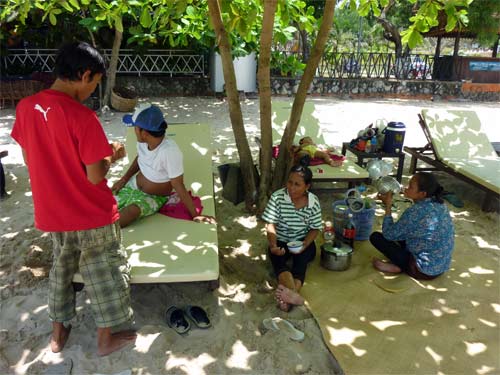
162	249
457	145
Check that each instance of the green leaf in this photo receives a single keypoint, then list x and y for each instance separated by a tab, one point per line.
75	4
52	19
66	6
450	24
146	18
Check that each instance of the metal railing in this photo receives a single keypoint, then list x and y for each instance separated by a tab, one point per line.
369	65
172	62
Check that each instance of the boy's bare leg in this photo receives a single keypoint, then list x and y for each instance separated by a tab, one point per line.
129	214
323	155
108	342
60	335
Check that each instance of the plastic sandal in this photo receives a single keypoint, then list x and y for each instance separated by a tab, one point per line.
277	324
198	316
176	320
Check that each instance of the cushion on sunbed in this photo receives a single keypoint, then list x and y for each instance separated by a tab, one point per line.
460	143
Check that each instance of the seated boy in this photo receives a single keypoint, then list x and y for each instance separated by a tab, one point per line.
154	173
309	150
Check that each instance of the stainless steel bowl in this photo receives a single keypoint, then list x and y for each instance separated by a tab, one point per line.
387	184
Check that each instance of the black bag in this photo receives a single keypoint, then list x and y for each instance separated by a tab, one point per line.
232	182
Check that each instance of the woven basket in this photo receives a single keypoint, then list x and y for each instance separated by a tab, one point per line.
122	104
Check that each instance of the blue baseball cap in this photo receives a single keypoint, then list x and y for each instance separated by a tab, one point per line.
147	116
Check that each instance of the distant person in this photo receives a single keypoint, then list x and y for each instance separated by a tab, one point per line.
308	150
421	242
156	171
68	157
293	213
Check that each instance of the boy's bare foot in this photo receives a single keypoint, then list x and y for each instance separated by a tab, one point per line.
288	296
108	342
385	266
60	335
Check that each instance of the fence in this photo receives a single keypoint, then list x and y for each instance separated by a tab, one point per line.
172	62
181	62
369	65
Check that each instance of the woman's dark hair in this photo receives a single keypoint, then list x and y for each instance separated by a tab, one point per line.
76	58
428	183
304	172
160	133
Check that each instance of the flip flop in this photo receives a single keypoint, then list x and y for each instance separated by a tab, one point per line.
277	324
176	320
198	316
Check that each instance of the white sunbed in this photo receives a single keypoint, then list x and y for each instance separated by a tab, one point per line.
458	146
163	249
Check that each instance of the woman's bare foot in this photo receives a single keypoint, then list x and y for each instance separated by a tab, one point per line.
60	335
283	306
385	266
108	342
288	296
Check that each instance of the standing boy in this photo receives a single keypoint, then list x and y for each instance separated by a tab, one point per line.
68	157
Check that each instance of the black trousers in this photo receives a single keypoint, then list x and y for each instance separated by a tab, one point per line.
397	253
2	180
299	261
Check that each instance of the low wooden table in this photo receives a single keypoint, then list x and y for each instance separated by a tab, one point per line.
361	155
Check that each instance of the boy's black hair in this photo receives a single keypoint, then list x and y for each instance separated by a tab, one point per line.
304	171
160	133
427	182
76	58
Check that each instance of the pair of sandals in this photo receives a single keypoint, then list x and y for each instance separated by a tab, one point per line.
176	318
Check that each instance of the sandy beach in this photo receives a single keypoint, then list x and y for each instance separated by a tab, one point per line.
236	342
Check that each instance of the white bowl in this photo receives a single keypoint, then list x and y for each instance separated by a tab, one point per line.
294	246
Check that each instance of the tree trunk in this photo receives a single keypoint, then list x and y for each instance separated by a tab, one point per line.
281	171
264	77
495	48
246	161
113	64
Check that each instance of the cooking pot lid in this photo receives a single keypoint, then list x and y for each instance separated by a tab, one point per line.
344	249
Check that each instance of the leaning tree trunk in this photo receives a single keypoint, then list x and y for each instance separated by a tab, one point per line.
280	172
264	77
246	161
111	76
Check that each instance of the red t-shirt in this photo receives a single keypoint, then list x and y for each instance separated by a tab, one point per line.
60	136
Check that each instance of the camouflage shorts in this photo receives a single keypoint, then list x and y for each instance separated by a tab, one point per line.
101	259
147	203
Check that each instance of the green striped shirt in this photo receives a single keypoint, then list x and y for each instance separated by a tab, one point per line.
292	224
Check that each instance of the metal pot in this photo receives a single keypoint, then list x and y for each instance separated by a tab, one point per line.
336	258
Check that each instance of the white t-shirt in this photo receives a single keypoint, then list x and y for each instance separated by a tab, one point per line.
161	164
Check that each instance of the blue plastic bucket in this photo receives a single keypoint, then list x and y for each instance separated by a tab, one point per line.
394	137
363	220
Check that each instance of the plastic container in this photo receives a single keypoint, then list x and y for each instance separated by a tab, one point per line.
394	137
363	220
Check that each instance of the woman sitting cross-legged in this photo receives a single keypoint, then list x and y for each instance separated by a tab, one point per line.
292	214
421	242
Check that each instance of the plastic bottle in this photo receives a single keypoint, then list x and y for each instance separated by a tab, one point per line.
349	231
374	145
328	234
368	147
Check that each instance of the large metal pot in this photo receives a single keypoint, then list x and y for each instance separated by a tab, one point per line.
336	258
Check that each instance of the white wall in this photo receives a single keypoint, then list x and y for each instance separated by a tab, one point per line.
245	69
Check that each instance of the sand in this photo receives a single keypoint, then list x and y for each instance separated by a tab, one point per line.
237	342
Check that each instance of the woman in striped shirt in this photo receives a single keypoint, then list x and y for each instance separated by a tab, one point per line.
292	214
